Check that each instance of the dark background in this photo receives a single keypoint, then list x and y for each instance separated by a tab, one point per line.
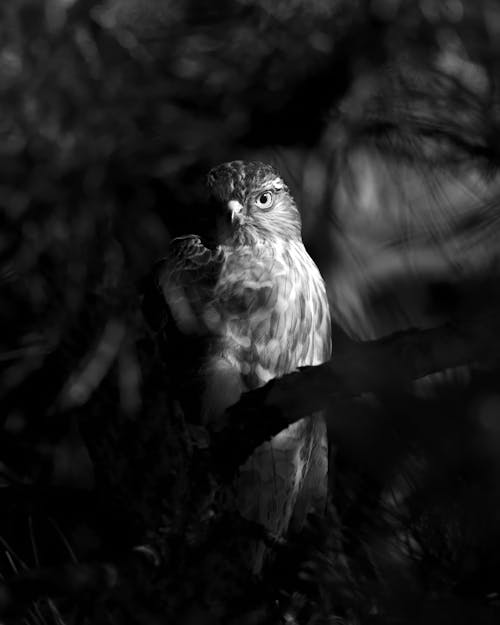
383	118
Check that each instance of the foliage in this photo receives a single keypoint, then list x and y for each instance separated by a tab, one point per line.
109	119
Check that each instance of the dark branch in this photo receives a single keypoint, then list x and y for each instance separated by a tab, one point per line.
384	365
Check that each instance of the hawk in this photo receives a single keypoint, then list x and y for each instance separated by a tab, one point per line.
245	308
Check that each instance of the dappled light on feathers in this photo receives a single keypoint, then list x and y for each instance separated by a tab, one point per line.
257	306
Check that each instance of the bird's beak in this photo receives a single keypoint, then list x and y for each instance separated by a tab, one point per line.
235	210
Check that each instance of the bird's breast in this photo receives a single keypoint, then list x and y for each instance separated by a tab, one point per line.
272	314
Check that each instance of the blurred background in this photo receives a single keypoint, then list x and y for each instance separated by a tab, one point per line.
383	118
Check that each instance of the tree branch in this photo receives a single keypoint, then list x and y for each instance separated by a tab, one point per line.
388	364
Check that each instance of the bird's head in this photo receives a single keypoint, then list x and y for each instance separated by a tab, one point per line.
252	203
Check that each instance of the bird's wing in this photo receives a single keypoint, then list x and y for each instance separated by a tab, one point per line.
187	280
178	304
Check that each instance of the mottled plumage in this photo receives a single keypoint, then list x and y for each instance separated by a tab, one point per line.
248	309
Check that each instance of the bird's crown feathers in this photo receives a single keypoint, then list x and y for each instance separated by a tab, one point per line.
236	179
267	207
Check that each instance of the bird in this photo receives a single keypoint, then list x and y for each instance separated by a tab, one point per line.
246	307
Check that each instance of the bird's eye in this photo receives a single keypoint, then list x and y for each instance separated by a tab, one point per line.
265	200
